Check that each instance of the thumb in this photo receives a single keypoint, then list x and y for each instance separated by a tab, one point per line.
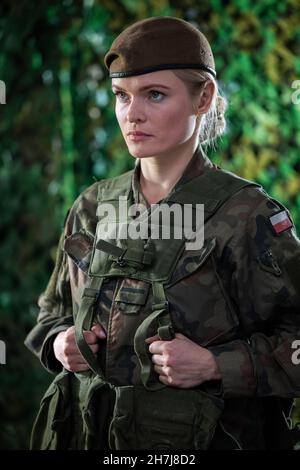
99	331
152	338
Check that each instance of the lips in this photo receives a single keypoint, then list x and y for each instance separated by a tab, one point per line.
138	134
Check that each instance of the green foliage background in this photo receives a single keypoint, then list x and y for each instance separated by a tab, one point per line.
58	132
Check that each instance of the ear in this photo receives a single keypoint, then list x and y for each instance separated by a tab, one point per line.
206	96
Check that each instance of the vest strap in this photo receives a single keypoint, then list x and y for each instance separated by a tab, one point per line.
110	248
165	329
84	321
160	313
137	254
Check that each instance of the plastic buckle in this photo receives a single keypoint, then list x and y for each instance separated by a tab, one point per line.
120	261
166	332
161	305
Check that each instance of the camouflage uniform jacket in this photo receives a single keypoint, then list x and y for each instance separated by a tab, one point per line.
240	299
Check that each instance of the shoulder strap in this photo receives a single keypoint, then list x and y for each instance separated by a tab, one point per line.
84	321
212	189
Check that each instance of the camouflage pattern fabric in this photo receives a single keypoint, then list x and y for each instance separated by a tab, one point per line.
238	296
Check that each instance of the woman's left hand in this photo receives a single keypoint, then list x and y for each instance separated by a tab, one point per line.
181	362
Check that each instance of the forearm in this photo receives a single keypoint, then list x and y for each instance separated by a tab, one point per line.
41	337
262	366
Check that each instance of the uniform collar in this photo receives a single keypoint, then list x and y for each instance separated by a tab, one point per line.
198	164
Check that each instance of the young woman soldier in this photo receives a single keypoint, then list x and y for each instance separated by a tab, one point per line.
161	344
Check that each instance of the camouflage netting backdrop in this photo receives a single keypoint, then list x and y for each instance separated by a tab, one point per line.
58	134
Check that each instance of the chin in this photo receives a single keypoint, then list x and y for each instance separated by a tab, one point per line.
140	152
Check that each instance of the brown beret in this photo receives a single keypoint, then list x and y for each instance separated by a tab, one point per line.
159	43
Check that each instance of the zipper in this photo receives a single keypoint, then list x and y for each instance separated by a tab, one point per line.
231	436
274	263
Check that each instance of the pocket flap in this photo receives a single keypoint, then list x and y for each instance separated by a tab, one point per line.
192	260
133	291
79	247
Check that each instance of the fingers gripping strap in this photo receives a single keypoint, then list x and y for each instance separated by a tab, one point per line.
84	321
165	331
142	351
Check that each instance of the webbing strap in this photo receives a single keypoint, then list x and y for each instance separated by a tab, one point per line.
165	331
84	321
212	188
134	254
110	248
142	351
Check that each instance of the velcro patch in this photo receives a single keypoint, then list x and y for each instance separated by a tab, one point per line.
280	222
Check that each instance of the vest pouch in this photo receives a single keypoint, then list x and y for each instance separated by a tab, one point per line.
51	429
169	418
92	407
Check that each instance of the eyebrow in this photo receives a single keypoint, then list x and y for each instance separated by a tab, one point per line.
147	87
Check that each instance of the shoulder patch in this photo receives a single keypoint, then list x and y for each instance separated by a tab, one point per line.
280	222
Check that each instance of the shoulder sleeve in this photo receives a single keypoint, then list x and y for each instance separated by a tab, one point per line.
55	313
265	287
57	302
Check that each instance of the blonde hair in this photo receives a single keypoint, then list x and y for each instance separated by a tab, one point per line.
213	123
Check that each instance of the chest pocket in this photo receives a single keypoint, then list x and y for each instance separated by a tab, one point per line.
131	296
201	307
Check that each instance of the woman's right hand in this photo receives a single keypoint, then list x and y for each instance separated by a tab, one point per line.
67	352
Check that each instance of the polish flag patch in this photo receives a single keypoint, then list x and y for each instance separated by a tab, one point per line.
281	222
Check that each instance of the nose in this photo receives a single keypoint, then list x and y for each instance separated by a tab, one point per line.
135	112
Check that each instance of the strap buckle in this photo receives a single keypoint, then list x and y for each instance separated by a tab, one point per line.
166	332
120	261
164	305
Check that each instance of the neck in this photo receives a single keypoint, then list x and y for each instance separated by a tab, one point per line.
159	174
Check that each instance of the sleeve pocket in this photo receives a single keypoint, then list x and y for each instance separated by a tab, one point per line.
79	246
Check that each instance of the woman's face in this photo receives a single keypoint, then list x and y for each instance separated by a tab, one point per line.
157	109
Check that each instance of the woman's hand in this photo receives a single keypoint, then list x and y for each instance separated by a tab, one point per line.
181	362
67	352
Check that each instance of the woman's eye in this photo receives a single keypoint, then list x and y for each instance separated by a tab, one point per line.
156	95
153	94
121	95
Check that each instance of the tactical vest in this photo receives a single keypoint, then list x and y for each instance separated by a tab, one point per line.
151	416
152	261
